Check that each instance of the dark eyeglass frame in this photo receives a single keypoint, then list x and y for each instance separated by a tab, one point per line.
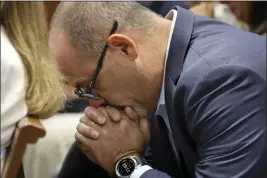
88	93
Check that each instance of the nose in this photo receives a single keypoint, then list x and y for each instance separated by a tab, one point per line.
96	103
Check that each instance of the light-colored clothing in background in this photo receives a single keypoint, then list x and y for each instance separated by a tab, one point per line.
13	105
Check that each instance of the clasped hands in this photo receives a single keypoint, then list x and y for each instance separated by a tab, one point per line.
106	134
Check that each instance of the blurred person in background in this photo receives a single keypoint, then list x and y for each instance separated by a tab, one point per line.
30	82
249	15
254	13
219	11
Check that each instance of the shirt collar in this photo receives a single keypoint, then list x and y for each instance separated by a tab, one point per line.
172	15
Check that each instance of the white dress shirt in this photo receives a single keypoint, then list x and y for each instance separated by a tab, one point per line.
161	108
13	105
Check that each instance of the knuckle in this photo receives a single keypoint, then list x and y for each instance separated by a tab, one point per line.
110	109
113	114
79	127
101	109
87	131
92	116
93	134
90	119
96	120
100	120
89	111
117	116
77	136
115	111
87	121
83	119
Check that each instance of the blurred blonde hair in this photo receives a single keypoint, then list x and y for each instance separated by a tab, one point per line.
27	29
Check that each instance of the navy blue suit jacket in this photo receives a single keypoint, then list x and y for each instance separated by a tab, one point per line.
215	90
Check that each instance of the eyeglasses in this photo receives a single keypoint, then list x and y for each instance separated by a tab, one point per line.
88	93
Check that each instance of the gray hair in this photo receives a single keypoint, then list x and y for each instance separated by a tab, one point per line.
87	24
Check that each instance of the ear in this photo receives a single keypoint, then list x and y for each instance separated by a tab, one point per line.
123	43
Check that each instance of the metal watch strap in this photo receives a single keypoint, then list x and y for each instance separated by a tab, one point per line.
139	161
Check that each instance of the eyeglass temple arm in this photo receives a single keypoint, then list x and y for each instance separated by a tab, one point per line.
99	65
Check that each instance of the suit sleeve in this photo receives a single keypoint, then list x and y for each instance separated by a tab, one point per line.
153	173
226	117
149	172
148	156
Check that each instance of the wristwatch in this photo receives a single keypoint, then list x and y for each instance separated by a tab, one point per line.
126	166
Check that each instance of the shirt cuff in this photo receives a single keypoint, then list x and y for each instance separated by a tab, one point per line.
140	171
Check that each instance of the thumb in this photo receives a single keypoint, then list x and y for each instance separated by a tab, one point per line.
145	128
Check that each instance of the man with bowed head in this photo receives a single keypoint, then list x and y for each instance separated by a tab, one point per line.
204	80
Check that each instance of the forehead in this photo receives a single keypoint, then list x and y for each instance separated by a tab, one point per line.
70	64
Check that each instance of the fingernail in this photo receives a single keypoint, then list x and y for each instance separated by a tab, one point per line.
101	120
95	134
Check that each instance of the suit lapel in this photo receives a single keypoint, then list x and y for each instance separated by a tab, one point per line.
179	44
162	152
177	53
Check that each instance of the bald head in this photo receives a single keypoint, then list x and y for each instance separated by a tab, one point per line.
87	24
